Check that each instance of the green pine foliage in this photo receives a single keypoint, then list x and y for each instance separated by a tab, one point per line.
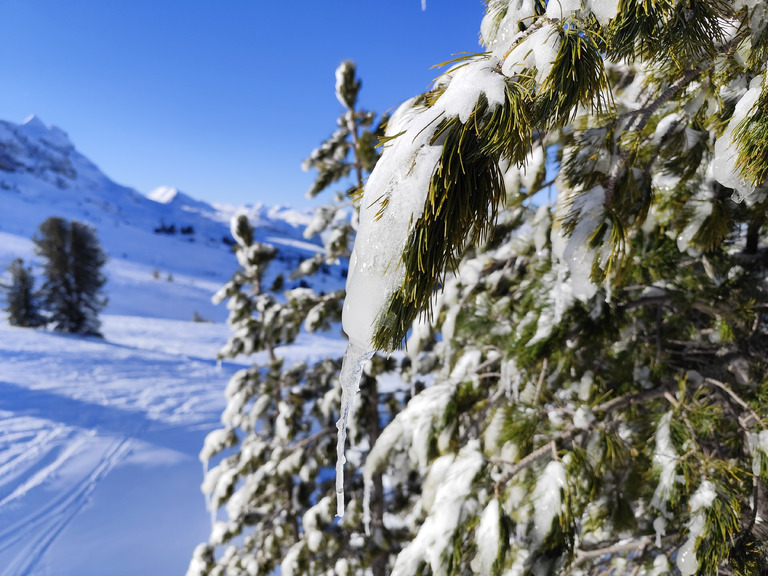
21	302
584	306
604	355
73	259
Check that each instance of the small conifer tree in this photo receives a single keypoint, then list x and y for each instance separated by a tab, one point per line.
274	456
21	304
71	293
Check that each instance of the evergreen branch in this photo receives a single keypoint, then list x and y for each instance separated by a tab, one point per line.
465	192
540	452
678	406
540	383
639	123
671	91
736	398
583	555
631	398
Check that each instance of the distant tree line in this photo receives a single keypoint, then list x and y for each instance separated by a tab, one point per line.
70	297
171	229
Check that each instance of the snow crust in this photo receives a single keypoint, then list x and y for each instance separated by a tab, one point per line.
569	279
562	9
726	151
340	72
445	512
487	538
560	296
548	499
758	447
665	457
537	50
402	177
588	210
604	10
500	23
411	430
702	499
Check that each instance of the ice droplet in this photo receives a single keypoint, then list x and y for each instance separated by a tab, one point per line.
355	358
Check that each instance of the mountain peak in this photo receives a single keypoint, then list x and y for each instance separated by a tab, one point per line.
35	128
33	121
164	194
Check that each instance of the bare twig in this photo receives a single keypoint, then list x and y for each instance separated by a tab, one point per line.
583	555
736	398
630	398
548	448
540	382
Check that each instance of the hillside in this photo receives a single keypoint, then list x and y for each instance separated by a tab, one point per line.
99	438
166	235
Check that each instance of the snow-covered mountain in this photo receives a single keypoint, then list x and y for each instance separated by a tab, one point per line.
165	235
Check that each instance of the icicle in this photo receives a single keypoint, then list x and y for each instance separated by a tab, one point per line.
351	372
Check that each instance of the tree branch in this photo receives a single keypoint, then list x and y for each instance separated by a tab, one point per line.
630	398
641	121
583	555
548	448
736	398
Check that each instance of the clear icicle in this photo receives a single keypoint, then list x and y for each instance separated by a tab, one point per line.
351	372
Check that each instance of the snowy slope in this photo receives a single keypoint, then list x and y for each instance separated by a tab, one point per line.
99	438
42	174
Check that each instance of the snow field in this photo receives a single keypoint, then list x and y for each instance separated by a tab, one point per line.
99	443
73	412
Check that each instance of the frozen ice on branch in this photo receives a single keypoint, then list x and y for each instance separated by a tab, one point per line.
438	183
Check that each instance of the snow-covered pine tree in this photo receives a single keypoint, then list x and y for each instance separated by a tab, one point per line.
275	453
347	156
20	300
72	289
602	402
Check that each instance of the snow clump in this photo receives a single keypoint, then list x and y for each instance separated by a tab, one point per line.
604	10
726	150
665	456
445	512
702	499
548	500
396	193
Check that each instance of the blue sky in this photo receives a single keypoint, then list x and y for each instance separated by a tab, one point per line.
220	99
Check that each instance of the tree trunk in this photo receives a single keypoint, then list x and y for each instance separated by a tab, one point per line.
378	554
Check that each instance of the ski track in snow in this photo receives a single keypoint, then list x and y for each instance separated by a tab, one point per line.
71	410
39	531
